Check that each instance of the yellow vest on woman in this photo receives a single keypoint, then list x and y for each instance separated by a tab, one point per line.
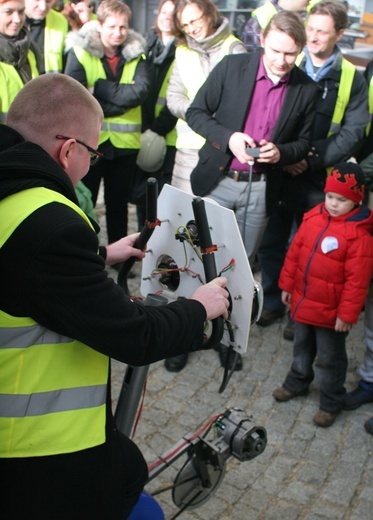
52	387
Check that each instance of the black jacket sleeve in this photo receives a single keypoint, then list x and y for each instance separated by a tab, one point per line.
347	141
75	69
164	123
114	97
124	95
60	281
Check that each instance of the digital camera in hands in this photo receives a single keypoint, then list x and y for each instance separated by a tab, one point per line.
253	152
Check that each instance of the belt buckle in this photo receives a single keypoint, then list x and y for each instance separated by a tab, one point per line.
236	175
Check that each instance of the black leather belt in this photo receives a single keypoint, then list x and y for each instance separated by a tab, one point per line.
239	176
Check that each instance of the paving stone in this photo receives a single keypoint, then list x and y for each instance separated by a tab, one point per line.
298	492
282	510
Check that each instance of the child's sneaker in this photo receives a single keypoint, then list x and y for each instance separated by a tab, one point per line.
362	394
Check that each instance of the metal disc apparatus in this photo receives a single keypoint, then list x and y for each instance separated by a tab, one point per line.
189	242
175	262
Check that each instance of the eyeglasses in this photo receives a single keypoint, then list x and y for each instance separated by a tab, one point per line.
192	23
95	155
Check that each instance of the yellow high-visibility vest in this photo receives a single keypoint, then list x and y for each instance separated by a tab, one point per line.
56	28
123	130
52	388
344	92
11	83
264	14
267	11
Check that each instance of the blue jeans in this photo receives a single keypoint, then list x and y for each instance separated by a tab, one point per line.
328	349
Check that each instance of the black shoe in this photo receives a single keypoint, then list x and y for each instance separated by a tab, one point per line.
362	394
223	354
268	317
289	330
176	363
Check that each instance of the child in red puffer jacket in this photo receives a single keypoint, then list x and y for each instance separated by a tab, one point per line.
325	278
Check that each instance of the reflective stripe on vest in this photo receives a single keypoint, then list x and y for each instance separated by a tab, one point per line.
343	97
161	102
124	130
11	83
52	388
56	28
264	14
344	92
193	77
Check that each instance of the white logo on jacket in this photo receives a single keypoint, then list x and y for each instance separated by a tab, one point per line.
329	244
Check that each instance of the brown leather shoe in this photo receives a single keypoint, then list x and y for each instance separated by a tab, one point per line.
282	395
324	419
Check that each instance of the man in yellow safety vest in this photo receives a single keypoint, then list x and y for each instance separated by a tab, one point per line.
62	318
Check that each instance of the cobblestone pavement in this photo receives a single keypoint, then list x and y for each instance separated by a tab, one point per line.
305	472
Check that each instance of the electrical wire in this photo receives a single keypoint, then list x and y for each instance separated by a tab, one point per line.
231	265
229	372
190	241
201	432
185	269
251	164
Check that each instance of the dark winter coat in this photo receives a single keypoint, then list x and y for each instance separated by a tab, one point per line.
328	150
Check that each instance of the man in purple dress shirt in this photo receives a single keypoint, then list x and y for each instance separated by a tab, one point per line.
248	101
